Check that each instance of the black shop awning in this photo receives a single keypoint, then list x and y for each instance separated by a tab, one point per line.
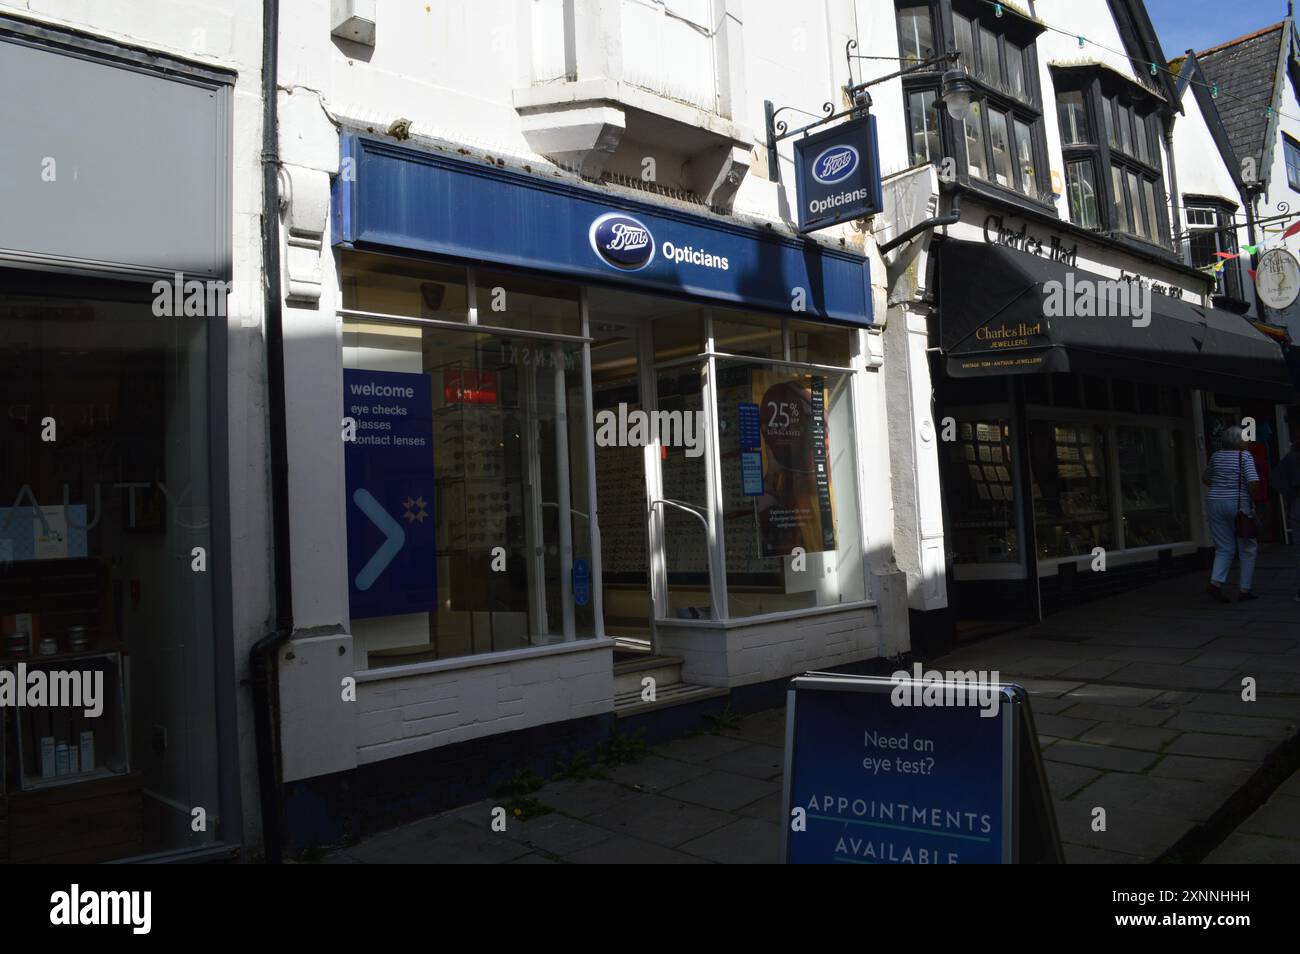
993	320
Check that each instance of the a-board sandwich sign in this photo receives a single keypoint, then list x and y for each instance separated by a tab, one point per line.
913	771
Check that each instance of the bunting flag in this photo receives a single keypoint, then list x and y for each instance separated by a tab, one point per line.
1291	231
1226	255
1251	273
1249	249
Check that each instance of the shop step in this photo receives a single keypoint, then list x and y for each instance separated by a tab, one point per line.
678	694
628	673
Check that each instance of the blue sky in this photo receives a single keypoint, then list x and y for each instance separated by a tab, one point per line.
1200	24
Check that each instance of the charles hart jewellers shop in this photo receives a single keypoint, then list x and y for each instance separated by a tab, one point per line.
1077	423
597	441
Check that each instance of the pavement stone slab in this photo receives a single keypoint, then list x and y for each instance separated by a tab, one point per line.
584	797
756	761
1245	849
555	833
1125	736
1131	715
1100	756
1113	694
654	773
745	841
700	748
661	820
443	839
1206	745
1279	817
1203	769
1174	677
1062	727
1232	725
1192	800
725	791
631	851
1129	831
1065	779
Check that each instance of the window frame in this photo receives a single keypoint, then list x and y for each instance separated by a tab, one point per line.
1291	148
1228	281
1117	113
1014	37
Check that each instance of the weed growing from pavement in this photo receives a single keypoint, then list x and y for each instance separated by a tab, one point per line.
724	721
519	791
622	749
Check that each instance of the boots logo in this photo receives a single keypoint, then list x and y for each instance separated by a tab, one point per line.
835	164
622	241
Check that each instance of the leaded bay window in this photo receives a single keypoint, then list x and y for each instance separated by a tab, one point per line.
1211	230
1110	140
1000	143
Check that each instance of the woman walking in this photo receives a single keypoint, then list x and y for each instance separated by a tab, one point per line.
1232	480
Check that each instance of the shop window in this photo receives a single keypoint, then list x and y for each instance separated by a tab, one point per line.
514	301
407	288
1096	393
495	513
1152	486
99	576
999	140
1072	507
683	474
819	342
979	492
747	333
789	488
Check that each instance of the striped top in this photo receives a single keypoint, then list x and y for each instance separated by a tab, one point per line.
1230	472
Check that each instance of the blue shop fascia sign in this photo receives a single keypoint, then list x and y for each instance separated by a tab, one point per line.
837	174
403	198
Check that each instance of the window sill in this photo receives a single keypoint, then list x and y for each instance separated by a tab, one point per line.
735	623
483	659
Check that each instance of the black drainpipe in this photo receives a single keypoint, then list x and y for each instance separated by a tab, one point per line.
1175	200
950	218
262	657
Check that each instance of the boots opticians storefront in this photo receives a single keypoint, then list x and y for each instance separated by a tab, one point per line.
585	423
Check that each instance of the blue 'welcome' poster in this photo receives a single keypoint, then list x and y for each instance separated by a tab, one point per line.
885	784
392	547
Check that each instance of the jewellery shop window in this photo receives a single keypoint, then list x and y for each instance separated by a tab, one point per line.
469	452
1152	475
1072	506
980	492
789	487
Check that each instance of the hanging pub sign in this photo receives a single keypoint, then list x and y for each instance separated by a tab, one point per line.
837	174
1277	279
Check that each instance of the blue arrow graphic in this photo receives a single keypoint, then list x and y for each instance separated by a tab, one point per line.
392	530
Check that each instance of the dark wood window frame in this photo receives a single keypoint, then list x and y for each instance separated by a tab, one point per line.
1228	283
1097	86
1008	29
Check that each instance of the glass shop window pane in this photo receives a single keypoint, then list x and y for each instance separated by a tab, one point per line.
747	332
683	470
924	125
1153	486
974	126
504	421
789	480
409	288
915	36
819	342
1072	506
96	533
981	498
1000	141
529	304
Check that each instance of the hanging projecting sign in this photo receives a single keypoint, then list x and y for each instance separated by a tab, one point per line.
1277	279
914	769
388	461
837	174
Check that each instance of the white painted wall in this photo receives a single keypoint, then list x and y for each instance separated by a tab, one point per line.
1278	193
226	35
